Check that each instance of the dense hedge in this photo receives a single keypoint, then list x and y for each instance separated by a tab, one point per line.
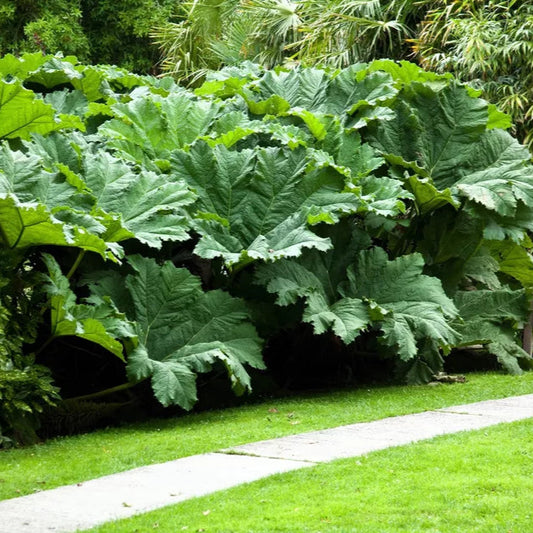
151	234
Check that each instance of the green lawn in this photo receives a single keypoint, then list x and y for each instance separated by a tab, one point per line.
74	459
479	481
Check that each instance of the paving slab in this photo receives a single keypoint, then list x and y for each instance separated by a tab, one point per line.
93	502
87	504
509	409
357	439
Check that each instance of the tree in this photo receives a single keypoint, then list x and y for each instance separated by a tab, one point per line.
100	31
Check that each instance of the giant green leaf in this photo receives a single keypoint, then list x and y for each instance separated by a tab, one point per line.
316	277
102	323
253	203
23	113
382	196
182	331
39	207
68	102
38	69
19	67
483	268
514	260
360	162
492	318
353	89
25	175
347	317
150	126
405	73
427	197
25	224
315	271
103	82
499	175
441	135
409	307
434	130
416	306
305	88
95	190
234	126
149	205
55	71
312	91
60	151
448	239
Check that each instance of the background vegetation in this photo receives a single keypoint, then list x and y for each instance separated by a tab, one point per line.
108	31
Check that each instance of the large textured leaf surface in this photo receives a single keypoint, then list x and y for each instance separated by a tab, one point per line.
492	318
483	268
45	70
354	89
416	305
24	175
22	113
346	317
68	102
183	331
88	187
433	130
25	224
316	276
409	307
149	127
149	205
299	88
500	174
514	260
315	271
20	67
316	92
442	135
448	240
427	197
405	73
39	207
253	204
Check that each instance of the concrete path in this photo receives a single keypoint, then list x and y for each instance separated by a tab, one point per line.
87	504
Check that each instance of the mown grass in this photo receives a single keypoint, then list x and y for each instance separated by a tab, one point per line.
70	460
479	481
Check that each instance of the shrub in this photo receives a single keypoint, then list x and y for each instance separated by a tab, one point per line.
381	206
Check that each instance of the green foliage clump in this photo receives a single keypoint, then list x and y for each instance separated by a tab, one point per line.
214	33
486	43
115	32
118	30
26	389
381	207
28	26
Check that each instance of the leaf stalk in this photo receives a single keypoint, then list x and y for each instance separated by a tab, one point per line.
105	392
76	263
